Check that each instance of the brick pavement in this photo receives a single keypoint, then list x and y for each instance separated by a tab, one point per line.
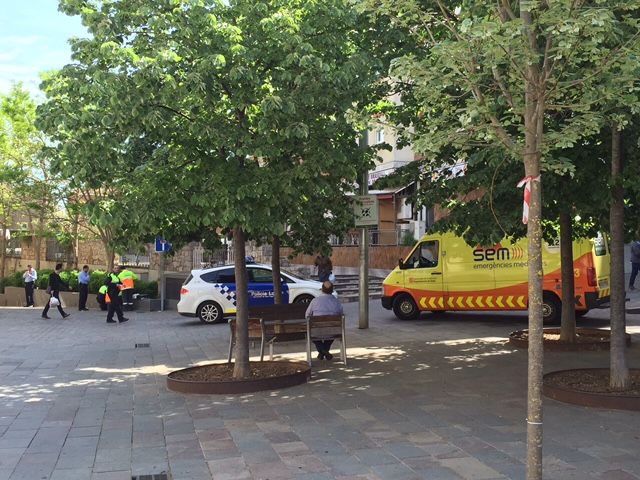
438	398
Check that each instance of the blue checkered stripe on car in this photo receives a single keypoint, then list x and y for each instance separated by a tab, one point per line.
226	292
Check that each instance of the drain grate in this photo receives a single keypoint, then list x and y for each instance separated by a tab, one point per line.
145	345
157	476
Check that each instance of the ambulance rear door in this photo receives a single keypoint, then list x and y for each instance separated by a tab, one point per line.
602	264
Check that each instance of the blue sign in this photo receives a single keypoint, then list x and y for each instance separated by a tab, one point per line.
162	245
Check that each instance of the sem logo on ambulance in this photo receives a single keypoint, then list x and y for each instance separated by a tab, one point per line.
497	253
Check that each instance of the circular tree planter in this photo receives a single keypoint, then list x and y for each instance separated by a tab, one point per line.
587	339
217	378
589	387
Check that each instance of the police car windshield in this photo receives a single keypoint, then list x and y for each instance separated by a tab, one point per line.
292	275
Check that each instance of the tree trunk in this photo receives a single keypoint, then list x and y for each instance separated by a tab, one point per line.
533	126
109	254
37	242
76	251
619	377
241	368
37	246
275	267
568	325
535	350
3	252
71	256
75	242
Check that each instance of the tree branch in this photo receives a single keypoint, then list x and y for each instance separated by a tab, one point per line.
173	110
499	81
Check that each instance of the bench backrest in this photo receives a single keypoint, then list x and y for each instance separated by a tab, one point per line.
255	330
325	325
287	311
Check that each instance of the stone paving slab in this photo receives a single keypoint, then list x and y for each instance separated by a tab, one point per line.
442	397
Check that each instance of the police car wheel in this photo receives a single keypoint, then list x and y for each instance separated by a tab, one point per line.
405	308
210	312
304	299
551	309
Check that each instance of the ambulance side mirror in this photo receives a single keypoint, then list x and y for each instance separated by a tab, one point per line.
401	265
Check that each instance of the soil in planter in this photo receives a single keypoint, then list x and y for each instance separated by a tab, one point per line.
224	372
586	337
593	381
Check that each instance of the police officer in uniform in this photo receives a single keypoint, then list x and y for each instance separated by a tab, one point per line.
114	285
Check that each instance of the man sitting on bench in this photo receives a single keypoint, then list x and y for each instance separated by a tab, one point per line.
324	304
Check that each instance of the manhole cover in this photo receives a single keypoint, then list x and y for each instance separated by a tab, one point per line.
157	476
145	345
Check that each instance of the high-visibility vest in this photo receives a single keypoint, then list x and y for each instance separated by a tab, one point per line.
115	280
103	291
127	278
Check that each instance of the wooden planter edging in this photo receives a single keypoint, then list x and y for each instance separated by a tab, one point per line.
557	346
589	399
300	373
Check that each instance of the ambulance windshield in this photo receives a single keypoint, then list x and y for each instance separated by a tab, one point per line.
424	256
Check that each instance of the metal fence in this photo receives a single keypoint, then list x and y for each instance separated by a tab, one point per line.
210	258
135	259
376	237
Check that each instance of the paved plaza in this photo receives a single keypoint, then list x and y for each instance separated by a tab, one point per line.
439	398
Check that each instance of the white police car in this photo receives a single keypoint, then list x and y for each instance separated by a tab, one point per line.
210	293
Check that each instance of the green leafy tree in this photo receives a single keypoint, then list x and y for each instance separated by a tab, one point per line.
503	76
230	94
28	187
100	168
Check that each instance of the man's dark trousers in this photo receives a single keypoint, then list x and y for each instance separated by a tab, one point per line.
84	294
28	291
115	306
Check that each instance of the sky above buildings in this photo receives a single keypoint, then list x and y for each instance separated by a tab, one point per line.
33	39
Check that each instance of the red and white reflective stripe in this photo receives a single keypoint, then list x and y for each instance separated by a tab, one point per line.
526	182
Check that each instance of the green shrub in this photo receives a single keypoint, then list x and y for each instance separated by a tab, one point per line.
146	288
96	280
14	280
43	278
70	277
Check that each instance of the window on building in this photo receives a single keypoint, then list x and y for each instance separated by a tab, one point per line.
380	135
56	252
14	246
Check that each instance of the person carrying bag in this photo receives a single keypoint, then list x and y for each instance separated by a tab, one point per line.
55	283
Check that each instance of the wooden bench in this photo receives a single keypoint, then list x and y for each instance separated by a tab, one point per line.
326	327
272	323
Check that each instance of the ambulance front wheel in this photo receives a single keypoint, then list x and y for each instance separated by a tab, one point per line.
551	309
210	312
405	308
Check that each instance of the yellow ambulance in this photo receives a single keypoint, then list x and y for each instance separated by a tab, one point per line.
443	272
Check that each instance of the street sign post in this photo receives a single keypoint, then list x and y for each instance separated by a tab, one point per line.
365	210
162	246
